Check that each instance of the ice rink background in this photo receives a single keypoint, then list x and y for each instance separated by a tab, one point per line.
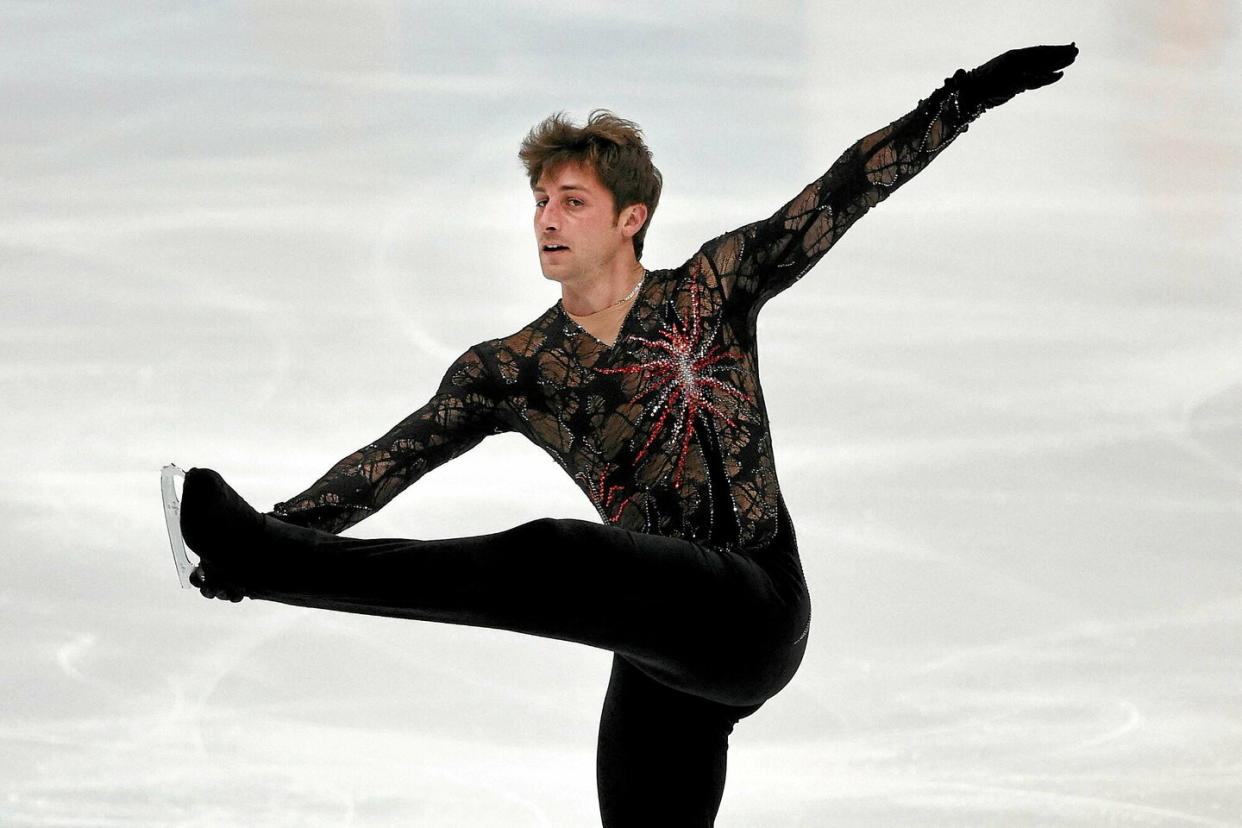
1007	406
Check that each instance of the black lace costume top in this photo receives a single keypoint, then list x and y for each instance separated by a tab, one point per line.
665	431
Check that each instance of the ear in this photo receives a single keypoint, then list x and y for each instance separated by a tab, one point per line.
633	218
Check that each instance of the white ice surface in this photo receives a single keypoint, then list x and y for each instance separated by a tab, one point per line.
1007	406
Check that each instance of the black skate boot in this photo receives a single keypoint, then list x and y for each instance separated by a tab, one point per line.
222	529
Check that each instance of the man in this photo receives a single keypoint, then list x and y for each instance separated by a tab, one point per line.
643	386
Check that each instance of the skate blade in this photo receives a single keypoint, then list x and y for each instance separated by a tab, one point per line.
169	475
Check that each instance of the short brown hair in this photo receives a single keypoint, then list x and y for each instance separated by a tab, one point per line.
613	147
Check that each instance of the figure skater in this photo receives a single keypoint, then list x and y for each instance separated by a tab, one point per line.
643	385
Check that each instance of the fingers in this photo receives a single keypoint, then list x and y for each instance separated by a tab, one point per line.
1045	59
1036	81
231	594
1011	73
1042	65
224	592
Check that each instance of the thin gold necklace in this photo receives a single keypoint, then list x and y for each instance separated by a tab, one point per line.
627	297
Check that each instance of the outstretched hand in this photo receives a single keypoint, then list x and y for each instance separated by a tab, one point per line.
1015	71
212	589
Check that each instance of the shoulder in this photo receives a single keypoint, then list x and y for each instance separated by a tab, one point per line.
660	285
699	279
530	338
503	357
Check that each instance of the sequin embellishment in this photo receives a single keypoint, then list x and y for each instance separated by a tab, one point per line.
681	381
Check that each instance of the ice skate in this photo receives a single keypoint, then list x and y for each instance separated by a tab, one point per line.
170	475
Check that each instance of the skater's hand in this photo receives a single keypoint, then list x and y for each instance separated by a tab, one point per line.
214	588
1015	71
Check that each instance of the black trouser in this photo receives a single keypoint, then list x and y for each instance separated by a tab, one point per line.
702	637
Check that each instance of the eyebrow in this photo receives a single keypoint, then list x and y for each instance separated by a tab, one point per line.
561	188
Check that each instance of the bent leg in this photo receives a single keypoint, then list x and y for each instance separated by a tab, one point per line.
661	755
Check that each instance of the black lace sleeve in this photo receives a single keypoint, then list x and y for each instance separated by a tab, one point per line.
455	420
757	261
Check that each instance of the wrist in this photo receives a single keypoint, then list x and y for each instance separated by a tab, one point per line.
964	85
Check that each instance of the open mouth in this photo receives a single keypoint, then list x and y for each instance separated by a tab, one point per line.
553	248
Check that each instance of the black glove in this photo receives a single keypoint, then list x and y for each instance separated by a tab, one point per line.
214	588
1006	75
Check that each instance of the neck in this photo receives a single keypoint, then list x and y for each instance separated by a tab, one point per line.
602	290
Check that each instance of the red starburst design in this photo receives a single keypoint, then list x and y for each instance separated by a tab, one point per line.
681	381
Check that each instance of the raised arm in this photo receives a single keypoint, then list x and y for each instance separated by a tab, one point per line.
759	260
455	420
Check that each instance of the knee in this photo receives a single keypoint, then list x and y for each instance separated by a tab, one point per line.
763	676
550	535
541	532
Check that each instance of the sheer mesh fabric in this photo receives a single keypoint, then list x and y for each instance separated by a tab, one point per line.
665	431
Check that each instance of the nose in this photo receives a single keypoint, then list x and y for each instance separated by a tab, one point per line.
548	220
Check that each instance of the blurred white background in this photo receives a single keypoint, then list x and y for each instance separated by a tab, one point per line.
1007	406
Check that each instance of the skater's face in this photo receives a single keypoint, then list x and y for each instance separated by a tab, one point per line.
578	229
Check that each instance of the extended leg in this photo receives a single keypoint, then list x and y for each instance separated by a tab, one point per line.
699	620
661	754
